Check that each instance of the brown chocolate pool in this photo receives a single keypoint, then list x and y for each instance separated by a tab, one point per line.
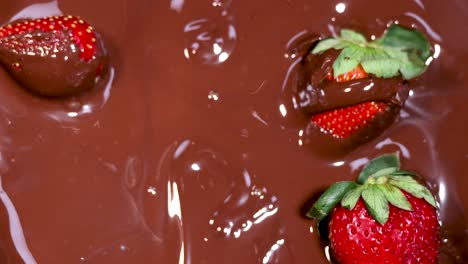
191	150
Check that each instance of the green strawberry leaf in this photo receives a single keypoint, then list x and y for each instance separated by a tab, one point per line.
427	195
353	36
329	199
413	187
325	45
378	62
395	196
400	51
411	65
348	59
381	166
376	203
350	200
404	173
407	39
399	176
383	68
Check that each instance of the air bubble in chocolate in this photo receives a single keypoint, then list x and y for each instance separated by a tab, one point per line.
209	41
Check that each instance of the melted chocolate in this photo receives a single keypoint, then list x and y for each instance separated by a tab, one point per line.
197	155
318	94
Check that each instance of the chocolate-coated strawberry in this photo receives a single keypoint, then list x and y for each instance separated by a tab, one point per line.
343	122
53	56
387	216
345	100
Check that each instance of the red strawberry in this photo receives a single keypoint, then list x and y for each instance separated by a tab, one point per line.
345	121
53	56
355	74
386	217
81	32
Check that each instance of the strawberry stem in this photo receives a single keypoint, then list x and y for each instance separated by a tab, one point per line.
380	183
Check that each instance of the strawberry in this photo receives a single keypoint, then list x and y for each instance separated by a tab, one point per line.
345	121
52	56
358	57
355	74
386	217
81	32
341	123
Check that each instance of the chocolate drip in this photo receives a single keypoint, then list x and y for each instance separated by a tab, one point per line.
318	94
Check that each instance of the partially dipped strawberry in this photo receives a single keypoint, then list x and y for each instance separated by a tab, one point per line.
361	81
53	56
343	122
387	216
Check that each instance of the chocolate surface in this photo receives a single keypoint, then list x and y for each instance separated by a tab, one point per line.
192	150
